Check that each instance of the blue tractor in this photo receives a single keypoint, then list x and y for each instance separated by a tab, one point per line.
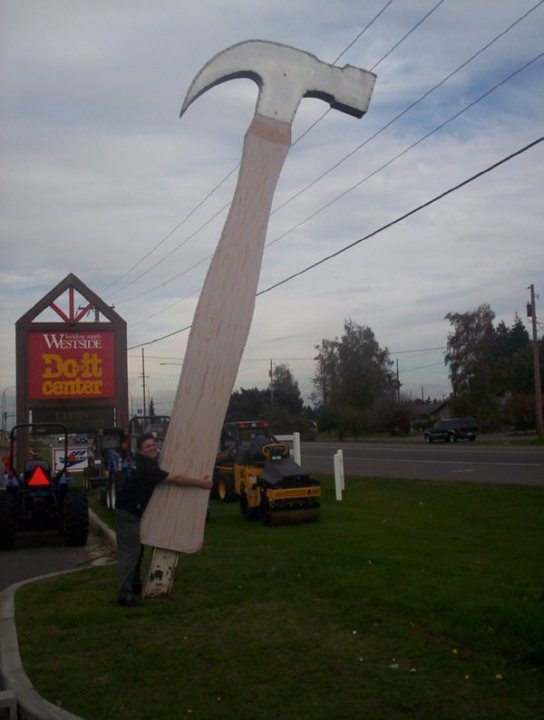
35	498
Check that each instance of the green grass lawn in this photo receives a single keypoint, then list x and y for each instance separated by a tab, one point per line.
408	599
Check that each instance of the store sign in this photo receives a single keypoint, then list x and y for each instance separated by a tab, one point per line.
71	365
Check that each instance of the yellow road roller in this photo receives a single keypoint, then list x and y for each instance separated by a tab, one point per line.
257	470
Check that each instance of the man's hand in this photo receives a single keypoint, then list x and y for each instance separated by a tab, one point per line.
204	482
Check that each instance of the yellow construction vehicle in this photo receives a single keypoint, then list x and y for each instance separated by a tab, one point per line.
256	469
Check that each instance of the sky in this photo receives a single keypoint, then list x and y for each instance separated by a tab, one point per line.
100	177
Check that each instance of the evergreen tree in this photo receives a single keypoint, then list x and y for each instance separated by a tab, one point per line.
486	363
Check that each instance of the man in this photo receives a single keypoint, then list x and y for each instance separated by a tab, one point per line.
131	500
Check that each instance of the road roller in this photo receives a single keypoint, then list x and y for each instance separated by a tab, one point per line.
256	470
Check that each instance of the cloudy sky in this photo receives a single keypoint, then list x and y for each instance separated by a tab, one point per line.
101	178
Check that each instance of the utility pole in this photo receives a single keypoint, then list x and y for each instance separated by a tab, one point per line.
271	374
143	382
531	312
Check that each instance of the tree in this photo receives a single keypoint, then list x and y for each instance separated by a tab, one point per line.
151	408
487	362
286	392
352	372
350	420
511	339
327	377
514	359
255	404
470	355
248	404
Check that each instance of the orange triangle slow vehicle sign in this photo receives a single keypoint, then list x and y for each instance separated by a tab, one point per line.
38	478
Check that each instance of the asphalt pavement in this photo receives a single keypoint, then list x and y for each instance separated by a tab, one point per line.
453	462
44	553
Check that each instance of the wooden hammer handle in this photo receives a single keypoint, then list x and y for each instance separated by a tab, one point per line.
175	517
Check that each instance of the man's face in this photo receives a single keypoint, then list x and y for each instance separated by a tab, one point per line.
149	449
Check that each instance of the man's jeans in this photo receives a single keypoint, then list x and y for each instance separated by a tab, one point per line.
129	554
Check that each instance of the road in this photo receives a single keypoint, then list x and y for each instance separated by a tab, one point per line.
454	462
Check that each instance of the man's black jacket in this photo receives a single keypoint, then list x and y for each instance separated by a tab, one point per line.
136	488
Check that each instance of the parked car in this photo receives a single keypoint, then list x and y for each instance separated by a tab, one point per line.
452	430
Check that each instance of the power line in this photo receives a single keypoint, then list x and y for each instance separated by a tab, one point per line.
398	220
403	352
163	309
289	359
406	35
222	182
172	231
408	108
421	367
406	150
355	185
360	34
413	104
348	155
327	111
226	205
174	250
405	216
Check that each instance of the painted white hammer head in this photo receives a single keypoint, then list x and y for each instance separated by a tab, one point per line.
285	75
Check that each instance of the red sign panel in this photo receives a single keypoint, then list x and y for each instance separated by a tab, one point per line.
71	365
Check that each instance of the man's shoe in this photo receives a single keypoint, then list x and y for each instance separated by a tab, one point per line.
130	602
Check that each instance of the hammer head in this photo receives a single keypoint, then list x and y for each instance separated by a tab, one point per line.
285	75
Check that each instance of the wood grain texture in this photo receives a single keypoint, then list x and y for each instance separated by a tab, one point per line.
175	517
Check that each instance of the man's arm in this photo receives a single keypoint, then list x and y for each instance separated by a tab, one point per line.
204	482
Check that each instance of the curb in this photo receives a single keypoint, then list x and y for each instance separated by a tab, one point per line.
31	705
105	530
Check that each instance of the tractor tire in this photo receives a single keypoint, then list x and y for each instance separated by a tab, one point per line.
265	513
214	492
76	517
225	488
8	520
247	512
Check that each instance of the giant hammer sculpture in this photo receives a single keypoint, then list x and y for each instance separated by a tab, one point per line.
174	520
